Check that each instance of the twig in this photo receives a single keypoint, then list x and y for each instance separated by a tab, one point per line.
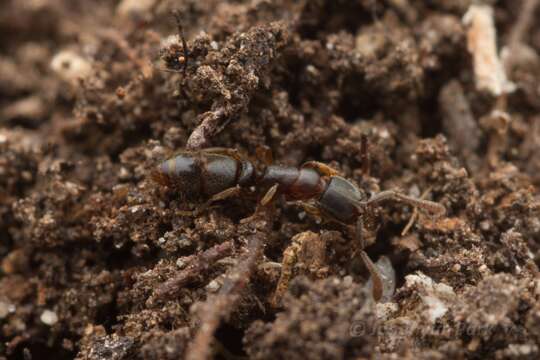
220	306
241	78
307	251
489	71
459	123
196	264
496	123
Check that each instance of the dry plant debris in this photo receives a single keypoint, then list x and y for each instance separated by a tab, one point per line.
97	262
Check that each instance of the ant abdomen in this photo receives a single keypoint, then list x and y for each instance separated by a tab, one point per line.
203	175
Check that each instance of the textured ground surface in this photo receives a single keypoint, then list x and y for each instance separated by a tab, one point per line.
87	239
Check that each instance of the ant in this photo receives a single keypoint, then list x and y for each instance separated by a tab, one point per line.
219	173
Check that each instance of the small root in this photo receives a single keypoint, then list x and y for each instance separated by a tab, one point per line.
196	264
222	304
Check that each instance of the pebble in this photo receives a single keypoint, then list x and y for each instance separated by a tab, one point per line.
49	317
180	263
6	309
213	286
135	7
70	66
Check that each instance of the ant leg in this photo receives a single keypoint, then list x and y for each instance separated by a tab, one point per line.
321	168
227	193
269	196
414	214
376	276
430	206
310	209
263	203
364	155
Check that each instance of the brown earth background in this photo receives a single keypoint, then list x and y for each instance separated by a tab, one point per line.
87	239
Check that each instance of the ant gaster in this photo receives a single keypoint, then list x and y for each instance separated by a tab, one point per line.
219	173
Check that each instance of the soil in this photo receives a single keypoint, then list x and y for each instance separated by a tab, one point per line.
94	94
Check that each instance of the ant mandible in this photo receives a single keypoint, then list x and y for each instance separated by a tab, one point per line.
219	173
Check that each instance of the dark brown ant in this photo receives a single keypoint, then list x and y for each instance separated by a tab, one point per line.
219	173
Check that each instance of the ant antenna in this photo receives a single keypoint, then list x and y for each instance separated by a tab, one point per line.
178	18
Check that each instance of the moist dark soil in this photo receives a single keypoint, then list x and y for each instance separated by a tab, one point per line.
99	262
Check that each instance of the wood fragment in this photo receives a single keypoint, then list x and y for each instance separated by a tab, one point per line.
307	251
195	266
489	71
459	123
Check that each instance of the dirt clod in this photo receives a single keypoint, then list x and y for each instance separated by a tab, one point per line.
99	261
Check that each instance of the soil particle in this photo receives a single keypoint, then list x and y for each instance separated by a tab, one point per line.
97	261
322	319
